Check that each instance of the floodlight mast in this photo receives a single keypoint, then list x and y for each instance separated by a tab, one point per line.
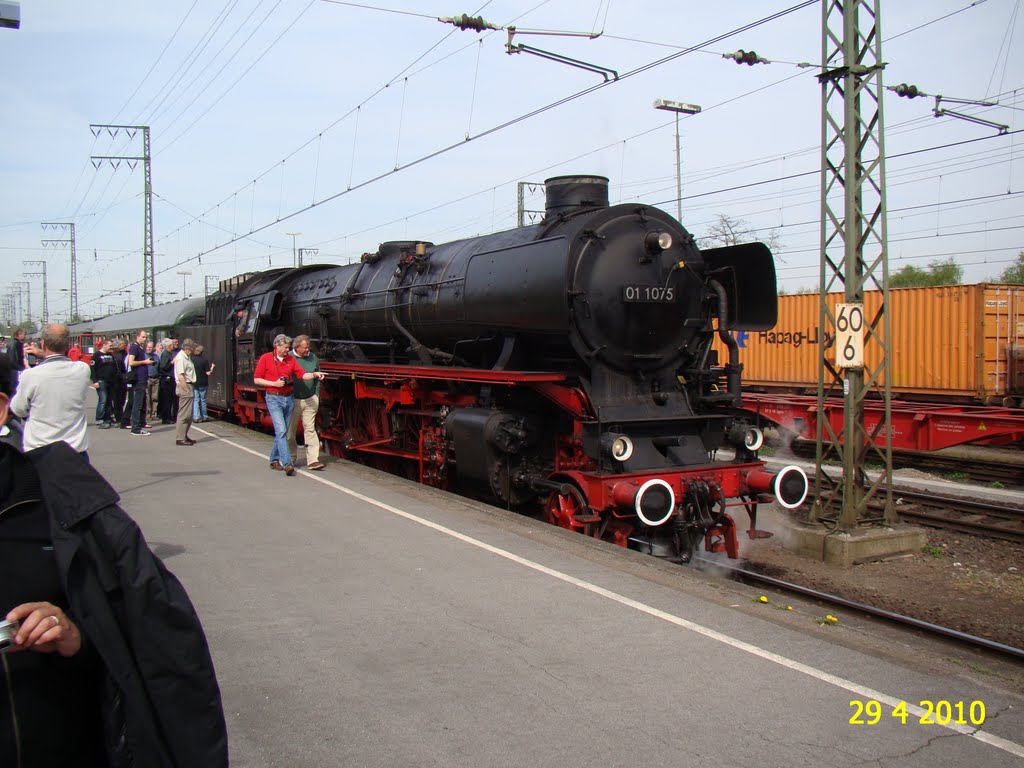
679	108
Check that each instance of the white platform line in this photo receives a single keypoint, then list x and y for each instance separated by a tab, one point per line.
848	685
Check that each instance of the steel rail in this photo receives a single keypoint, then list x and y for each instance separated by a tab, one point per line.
968	515
935	629
978	470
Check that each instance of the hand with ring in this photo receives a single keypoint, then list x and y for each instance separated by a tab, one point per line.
45	628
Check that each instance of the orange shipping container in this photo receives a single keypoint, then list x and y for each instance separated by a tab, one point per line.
958	343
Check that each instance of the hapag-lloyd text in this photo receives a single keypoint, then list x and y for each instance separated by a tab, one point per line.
794	338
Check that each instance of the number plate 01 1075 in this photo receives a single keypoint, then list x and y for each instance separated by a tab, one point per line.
645	294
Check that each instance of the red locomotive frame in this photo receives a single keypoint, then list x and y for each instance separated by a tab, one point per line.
581	498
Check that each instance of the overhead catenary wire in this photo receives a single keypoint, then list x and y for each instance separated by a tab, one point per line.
378	8
1005	45
356	111
318	138
745	166
200	92
228	7
537	111
528	115
188	62
766	181
394	79
158	59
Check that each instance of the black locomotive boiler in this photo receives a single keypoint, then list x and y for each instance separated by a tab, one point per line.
565	367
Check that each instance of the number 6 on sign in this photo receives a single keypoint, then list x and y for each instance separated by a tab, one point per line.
849	335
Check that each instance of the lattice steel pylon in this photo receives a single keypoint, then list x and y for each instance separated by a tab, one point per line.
853	258
522	214
148	282
66	226
41	272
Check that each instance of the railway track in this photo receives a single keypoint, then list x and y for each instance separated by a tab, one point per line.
746	576
979	471
980	518
984	518
996	520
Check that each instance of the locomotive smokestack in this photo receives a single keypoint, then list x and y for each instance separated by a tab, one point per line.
564	194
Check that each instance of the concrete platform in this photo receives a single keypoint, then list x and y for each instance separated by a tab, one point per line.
357	619
858	546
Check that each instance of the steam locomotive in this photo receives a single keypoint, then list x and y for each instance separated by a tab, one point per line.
564	368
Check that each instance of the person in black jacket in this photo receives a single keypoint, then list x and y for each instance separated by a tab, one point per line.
16	356
119	350
167	400
110	666
104	376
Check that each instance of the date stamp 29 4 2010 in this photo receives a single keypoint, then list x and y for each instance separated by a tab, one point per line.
941	712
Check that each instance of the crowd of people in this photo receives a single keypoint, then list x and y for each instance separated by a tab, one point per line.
104	660
142	380
136	381
104	646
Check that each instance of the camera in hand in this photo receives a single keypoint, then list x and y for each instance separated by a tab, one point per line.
8	629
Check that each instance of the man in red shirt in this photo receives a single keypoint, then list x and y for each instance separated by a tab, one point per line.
276	370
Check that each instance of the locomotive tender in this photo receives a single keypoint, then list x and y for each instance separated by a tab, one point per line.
564	367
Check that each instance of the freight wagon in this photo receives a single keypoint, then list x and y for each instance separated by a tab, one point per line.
950	344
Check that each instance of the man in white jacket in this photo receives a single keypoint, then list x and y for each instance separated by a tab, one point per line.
52	395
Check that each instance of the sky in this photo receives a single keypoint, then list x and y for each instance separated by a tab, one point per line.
334	126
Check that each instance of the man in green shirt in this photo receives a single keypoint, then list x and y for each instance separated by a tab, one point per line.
307	403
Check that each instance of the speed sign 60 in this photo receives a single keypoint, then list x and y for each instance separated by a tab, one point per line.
849	335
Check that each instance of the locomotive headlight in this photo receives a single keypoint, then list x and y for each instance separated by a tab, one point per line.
753	439
743	435
656	242
619	447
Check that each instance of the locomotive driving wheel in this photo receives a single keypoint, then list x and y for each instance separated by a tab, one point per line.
369	425
571	511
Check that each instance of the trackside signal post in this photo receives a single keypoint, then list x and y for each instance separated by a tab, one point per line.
853	256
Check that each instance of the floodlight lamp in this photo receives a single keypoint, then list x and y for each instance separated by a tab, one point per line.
676	106
10	15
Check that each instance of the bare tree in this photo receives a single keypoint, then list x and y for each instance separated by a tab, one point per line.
730	231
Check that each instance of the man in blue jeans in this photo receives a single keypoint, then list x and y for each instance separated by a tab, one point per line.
276	371
138	362
104	376
203	370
